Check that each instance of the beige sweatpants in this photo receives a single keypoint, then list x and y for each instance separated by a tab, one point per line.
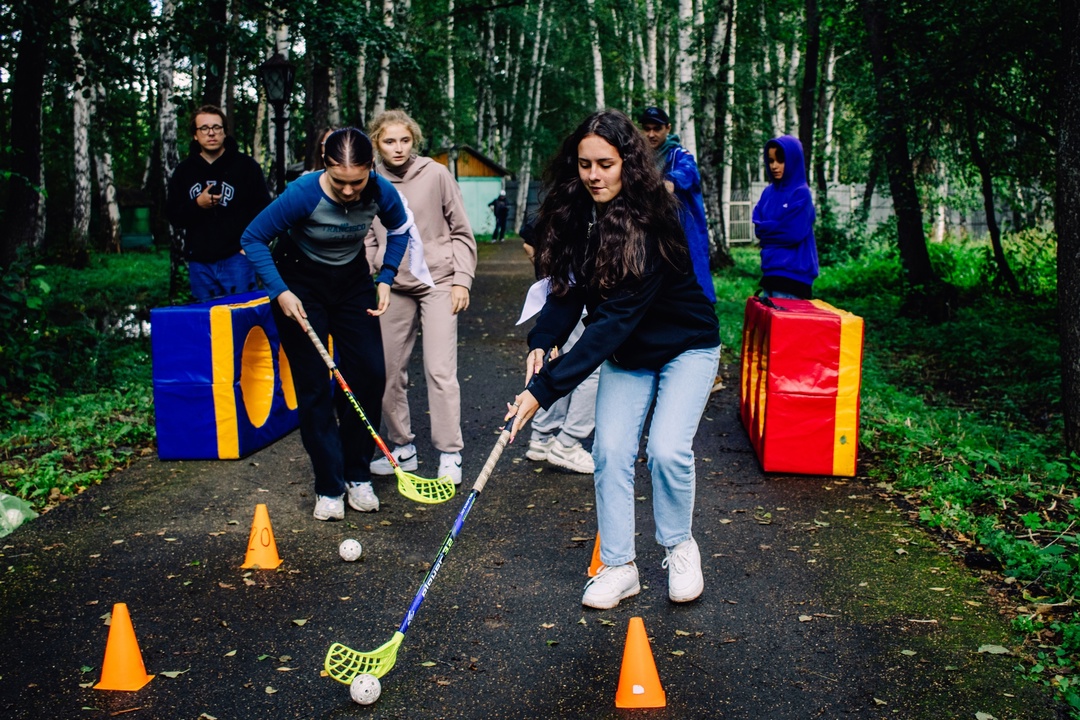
427	309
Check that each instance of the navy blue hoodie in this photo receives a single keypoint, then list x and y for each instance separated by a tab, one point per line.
784	225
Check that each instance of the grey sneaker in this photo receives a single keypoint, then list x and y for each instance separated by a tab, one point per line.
450	466
683	563
574	458
362	497
329	508
405	456
539	449
611	585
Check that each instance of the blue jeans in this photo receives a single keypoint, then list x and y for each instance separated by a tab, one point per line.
230	276
680	389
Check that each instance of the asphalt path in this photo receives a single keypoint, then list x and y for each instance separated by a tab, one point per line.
822	599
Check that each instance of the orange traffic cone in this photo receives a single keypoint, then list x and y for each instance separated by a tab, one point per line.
262	550
595	565
639	683
123	668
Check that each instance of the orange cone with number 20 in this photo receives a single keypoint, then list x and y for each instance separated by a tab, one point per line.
262	550
639	683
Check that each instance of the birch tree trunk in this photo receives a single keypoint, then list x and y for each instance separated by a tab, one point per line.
80	102
451	77
333	98
361	68
807	103
382	87
651	84
729	126
536	80
103	167
598	60
687	61
168	156
791	116
712	133
511	106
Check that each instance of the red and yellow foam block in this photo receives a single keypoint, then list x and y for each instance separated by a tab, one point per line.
799	385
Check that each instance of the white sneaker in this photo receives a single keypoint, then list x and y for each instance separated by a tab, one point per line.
539	449
329	508
405	455
610	585
362	497
574	458
683	563
450	466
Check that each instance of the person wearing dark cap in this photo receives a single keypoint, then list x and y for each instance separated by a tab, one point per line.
318	274
681	178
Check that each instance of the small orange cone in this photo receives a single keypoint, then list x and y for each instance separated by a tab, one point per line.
595	565
639	683
262	550
123	668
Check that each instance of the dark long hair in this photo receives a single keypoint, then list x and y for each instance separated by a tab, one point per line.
643	212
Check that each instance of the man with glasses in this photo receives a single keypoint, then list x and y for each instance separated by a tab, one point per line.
213	195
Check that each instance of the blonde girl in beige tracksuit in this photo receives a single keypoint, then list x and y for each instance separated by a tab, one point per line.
435	200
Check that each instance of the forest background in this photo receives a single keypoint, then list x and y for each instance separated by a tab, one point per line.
971	395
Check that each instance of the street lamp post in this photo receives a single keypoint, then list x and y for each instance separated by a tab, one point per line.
277	77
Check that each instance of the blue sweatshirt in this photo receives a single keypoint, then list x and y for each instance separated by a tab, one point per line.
325	230
682	170
784	225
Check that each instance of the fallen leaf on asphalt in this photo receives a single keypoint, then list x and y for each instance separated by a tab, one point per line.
994	650
901	551
805	618
925	622
547	626
427	663
117	542
215	534
270	690
725	521
347	597
226	586
285	669
678	653
173	673
972	603
443	682
262	657
984	716
301	622
552	643
581	621
233	522
682	632
230	653
821	523
641	497
408	515
939	589
166	540
602	621
879	701
529	507
909	653
578	538
385	522
284	658
206	716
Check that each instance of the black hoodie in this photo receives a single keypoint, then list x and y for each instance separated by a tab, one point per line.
214	234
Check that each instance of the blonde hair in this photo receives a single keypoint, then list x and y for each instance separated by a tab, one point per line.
394	117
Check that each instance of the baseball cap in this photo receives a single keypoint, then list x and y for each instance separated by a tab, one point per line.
654	115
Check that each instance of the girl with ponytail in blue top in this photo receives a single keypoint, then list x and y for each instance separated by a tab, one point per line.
318	274
784	223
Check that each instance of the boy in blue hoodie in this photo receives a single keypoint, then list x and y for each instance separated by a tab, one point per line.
784	223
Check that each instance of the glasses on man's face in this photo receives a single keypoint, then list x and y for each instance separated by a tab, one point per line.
210	129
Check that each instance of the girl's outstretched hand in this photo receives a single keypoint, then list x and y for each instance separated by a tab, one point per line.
382	291
524	407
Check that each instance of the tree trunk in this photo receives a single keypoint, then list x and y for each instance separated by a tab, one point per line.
687	61
651	80
597	59
791	115
712	136
333	98
451	91
1067	220
986	175
536	82
217	54
807	104
103	166
167	156
827	102
80	126
25	200
723	256
361	69
382	87
893	144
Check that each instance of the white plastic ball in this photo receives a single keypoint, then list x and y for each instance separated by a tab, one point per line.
365	689
350	550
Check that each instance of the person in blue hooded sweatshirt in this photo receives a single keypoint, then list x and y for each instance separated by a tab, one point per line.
784	223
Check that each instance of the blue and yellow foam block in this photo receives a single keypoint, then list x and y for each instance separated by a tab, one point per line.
222	384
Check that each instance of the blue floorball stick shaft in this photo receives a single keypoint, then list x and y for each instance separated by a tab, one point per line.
448	543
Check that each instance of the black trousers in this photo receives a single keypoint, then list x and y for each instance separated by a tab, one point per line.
336	299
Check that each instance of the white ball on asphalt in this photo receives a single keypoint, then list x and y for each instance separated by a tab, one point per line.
365	689
350	550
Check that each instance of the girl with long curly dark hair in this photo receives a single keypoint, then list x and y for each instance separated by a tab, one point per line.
611	244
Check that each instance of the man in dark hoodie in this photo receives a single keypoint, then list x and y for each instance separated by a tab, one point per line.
681	177
213	195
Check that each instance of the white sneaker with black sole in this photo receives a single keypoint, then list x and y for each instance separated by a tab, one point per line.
405	455
329	508
610	586
683	563
362	497
450	466
574	458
